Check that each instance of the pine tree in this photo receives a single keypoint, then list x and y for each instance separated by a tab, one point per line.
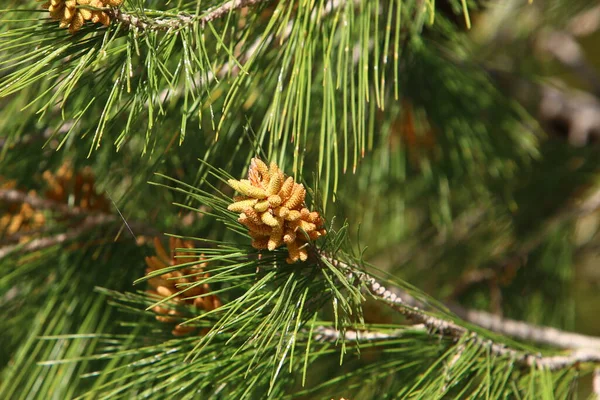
247	199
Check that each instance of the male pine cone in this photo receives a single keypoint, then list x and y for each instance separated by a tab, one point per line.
179	285
272	208
74	13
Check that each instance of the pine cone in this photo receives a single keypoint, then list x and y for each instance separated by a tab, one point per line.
71	15
166	285
272	208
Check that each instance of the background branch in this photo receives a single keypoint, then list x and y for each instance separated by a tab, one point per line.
89	223
524	331
92	219
17	196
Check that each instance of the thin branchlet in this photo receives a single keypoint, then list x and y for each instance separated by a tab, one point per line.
179	21
445	327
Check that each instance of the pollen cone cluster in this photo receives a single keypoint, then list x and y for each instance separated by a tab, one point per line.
167	285
19	217
77	188
272	208
74	13
64	187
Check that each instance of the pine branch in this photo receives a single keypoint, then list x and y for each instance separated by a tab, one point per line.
17	196
573	210
587	349
565	48
222	10
328	334
24	236
181	20
524	331
585	23
93	219
90	222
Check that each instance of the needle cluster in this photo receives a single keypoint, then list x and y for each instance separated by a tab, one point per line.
73	14
172	283
274	211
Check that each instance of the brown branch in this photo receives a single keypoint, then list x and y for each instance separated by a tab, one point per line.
24	236
471	278
524	331
93	219
564	47
181	20
17	196
585	23
517	258
586	348
89	223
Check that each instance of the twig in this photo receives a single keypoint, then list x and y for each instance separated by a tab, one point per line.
181	20
17	196
90	222
516	258
323	333
24	235
524	331
587	349
471	278
585	23
573	114
565	48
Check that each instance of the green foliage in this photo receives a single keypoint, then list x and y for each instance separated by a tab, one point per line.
390	115
56	301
